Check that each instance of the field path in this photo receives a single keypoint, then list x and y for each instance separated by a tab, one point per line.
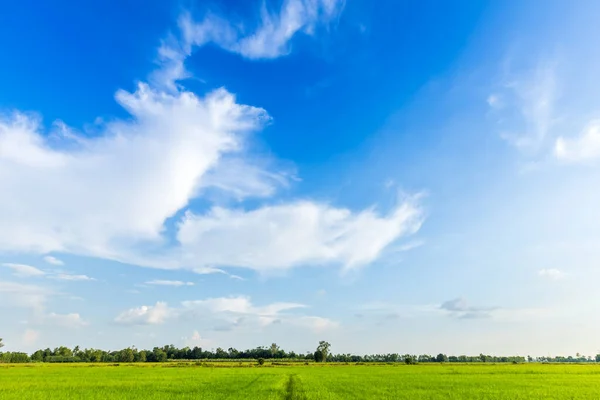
294	389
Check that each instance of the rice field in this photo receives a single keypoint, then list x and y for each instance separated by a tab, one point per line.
329	381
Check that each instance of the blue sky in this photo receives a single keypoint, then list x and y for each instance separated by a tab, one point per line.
390	177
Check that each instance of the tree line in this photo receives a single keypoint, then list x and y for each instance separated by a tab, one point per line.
64	354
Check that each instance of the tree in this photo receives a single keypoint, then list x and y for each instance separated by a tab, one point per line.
274	349
322	351
126	355
409	360
38	356
597	356
1	344
441	358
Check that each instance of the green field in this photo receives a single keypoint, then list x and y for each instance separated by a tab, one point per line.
218	381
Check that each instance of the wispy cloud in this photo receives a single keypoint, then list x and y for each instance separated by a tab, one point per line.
551	273
71	277
53	260
21	295
582	148
158	282
146	315
532	96
227	313
23	270
72	320
270	39
459	308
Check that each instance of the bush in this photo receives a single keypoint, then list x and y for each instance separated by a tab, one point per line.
261	361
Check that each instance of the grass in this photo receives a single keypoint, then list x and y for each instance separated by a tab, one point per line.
299	382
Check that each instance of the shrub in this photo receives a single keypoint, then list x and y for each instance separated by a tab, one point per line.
261	361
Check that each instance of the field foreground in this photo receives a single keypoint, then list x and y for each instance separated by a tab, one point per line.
194	381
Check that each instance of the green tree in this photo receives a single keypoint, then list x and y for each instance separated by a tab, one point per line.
160	355
409	360
274	349
597	356
126	355
38	356
441	358
322	351
140	356
1	344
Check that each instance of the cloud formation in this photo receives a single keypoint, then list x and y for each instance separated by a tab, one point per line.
124	194
159	282
526	103
582	148
24	271
459	308
145	315
551	273
269	39
27	271
226	313
300	233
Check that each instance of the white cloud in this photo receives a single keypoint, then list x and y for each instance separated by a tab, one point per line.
227	313
301	233
533	96
111	192
26	296
551	273
53	260
316	324
30	337
70	277
585	147
110	195
23	270
146	315
239	305
26	271
72	320
271	38
196	340
159	282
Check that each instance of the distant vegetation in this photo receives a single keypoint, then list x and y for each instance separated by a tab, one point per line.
322	354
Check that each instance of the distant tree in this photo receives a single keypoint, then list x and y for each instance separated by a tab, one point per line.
126	355
140	356
441	358
158	355
322	351
274	349
63	351
220	353
409	360
261	361
38	356
1	344
597	357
